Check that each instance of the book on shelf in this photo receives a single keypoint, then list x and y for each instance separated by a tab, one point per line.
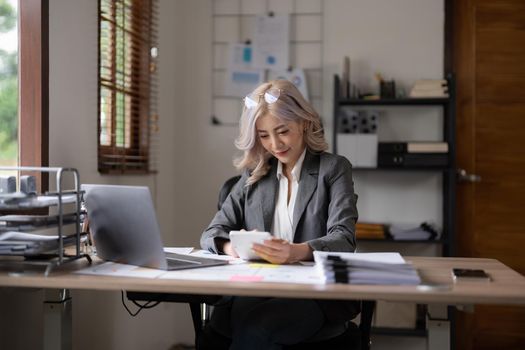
413	147
429	88
427	147
400	160
365	268
397	231
430	82
428	94
364	230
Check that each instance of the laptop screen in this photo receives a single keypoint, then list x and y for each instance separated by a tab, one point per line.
124	225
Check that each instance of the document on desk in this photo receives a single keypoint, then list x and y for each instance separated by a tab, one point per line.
250	272
178	250
237	270
110	268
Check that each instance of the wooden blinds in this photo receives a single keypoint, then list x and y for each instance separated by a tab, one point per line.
127	116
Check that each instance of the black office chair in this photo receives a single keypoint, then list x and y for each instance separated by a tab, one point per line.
353	337
349	337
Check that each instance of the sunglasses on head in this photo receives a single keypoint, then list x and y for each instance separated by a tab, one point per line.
270	96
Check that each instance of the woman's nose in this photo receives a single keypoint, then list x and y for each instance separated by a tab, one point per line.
276	142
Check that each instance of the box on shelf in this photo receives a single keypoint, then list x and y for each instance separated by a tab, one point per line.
360	149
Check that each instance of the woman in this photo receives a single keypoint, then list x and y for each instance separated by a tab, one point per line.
303	196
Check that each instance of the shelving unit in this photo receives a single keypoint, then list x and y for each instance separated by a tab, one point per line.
49	253
448	173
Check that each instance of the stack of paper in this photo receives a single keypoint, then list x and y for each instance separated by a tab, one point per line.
23	243
19	200
423	231
365	268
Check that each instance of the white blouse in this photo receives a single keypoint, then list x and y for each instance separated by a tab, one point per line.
282	226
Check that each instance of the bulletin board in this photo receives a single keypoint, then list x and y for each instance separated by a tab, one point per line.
234	22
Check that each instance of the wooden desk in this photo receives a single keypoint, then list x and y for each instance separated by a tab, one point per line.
507	288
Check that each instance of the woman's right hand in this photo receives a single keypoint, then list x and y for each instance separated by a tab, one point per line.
227	248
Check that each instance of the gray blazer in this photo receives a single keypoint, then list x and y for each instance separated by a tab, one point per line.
325	210
325	214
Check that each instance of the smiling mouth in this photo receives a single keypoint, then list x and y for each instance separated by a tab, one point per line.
280	153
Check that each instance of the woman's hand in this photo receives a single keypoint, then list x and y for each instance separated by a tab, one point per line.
224	246
227	248
280	251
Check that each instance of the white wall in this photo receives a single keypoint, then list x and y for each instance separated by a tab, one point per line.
403	39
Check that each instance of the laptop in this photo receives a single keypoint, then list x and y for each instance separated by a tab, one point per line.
125	230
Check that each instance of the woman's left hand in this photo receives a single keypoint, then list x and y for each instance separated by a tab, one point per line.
280	251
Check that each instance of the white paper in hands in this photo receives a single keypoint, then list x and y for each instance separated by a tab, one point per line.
242	242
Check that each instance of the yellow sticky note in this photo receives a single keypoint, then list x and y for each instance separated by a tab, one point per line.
263	265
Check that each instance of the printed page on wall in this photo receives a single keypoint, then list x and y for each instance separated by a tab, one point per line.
241	76
272	42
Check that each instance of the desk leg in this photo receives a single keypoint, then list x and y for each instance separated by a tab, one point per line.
438	327
57	319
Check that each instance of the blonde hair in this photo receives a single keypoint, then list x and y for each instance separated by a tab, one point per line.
289	107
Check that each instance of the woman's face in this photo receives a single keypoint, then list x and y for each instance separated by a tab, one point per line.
284	140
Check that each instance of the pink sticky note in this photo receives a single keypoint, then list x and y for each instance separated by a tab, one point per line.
246	278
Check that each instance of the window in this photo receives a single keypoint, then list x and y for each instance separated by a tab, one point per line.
30	67
127	117
8	83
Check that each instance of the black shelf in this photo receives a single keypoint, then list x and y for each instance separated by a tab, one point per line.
404	168
394	102
390	240
403	332
447	171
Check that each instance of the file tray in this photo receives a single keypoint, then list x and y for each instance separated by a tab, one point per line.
21	201
19	232
27	223
35	246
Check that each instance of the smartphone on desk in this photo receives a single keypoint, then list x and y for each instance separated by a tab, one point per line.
473	275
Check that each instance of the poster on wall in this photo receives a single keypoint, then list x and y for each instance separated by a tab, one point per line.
241	76
296	76
271	42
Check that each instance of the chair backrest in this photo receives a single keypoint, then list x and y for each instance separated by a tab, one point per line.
226	189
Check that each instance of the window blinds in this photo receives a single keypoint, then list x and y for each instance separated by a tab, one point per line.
127	118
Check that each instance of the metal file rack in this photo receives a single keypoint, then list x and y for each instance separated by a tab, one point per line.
20	208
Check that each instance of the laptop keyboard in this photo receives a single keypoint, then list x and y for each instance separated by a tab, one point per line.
179	261
176	262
